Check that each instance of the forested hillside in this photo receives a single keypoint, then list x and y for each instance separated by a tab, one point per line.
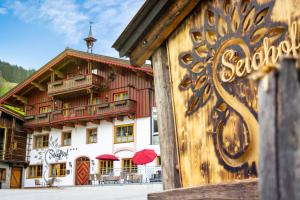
5	86
14	73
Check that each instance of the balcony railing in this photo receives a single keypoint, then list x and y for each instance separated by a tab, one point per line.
84	112
99	111
74	84
37	120
12	156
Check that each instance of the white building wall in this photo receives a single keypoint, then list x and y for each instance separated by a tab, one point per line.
5	184
55	153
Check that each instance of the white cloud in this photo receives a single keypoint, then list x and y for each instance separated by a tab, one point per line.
3	11
110	17
70	18
63	16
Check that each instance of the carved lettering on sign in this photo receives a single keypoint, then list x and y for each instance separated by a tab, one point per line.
236	39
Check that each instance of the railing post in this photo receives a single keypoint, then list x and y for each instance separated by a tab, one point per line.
279	118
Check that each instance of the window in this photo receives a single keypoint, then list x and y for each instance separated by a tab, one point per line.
128	166
158	161
44	109
124	133
106	167
121	96
41	141
66	109
2	174
96	101
58	170
66	138
155	135
35	171
91	136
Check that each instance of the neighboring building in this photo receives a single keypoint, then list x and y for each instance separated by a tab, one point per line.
81	105
12	148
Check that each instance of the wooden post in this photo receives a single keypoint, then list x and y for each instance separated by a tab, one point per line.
279	118
166	124
11	149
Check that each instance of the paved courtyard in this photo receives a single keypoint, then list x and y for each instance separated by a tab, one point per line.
131	192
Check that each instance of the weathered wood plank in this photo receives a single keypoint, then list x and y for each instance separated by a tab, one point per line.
267	146
246	190
166	126
279	117
161	30
288	130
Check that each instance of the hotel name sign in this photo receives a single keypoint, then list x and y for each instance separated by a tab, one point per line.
236	39
268	55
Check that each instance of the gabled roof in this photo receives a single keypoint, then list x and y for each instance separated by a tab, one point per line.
150	27
77	54
12	112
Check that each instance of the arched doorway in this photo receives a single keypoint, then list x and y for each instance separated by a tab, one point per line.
82	171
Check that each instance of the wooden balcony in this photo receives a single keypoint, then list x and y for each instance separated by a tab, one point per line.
37	120
75	84
90	112
82	113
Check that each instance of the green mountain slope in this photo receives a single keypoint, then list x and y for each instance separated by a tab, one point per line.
14	73
5	86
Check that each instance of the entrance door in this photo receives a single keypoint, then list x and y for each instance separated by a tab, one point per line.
15	178
82	171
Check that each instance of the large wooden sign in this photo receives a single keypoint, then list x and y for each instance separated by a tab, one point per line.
211	57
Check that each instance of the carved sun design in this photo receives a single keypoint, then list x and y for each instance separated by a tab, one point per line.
240	26
245	24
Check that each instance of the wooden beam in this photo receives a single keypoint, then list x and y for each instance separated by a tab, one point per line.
160	31
57	126
81	123
39	86
246	190
109	119
47	128
120	118
95	121
166	122
58	73
71	125
21	98
38	129
279	118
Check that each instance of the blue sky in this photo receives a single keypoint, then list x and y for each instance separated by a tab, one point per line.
32	32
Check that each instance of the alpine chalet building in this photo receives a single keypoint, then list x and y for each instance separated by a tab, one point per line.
79	106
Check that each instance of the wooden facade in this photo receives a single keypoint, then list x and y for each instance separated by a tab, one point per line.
14	137
13	145
78	87
212	48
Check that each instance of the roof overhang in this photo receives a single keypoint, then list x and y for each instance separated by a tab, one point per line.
113	62
12	113
150	27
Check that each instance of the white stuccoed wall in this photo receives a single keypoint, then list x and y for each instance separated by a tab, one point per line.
6	183
79	148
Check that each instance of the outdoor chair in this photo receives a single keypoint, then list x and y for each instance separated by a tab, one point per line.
92	178
136	178
125	176
156	177
116	179
50	182
99	178
38	183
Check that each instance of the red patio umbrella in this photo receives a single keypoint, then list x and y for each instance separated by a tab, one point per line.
144	156
107	157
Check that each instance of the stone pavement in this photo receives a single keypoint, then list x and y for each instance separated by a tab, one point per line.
108	192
